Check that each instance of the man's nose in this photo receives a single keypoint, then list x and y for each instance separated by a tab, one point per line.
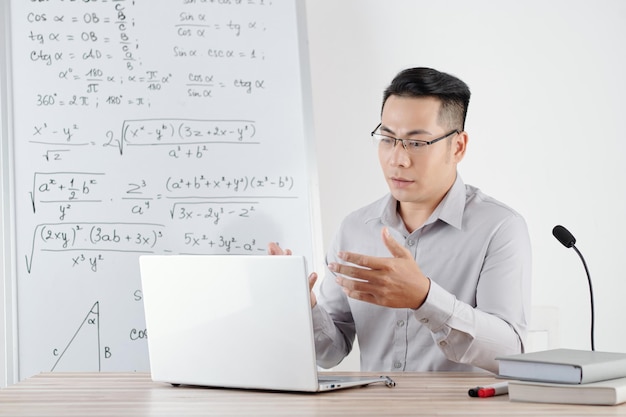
399	154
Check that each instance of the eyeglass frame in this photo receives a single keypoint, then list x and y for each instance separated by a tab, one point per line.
423	143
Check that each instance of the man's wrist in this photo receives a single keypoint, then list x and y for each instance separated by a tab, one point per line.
423	292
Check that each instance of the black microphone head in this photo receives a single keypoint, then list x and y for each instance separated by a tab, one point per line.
564	236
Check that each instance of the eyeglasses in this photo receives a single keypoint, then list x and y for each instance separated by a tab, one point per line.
411	146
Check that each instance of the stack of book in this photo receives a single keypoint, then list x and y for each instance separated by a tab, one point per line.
566	376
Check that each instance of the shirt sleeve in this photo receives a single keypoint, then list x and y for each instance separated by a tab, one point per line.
496	325
333	339
333	322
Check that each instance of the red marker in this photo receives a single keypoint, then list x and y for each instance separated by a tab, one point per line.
493	390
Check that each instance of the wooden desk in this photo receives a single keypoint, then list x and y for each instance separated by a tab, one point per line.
134	394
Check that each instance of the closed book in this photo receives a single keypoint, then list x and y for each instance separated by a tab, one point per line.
609	392
566	366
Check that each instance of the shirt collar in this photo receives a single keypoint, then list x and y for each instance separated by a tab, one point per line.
449	210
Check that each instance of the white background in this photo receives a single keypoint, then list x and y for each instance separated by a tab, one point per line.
546	126
545	123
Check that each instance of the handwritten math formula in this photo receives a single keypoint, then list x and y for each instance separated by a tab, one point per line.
147	128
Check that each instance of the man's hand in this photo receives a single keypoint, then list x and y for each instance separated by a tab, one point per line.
394	282
274	249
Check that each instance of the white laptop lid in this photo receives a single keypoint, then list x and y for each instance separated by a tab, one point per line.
229	321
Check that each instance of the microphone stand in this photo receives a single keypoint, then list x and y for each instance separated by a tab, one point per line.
593	347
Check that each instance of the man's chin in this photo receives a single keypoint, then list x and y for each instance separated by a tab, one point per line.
403	196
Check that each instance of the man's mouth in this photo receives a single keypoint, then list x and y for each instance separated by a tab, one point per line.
401	182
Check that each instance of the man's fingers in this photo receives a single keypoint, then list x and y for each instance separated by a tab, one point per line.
312	280
358	285
274	249
350	271
366	262
395	248
359	290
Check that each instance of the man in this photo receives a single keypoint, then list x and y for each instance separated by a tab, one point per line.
435	275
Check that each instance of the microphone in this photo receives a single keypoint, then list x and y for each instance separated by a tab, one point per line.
564	236
569	241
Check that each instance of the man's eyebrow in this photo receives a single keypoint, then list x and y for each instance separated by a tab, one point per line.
385	129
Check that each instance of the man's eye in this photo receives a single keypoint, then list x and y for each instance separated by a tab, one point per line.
414	144
386	140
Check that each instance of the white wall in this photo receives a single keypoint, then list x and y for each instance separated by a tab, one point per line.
546	125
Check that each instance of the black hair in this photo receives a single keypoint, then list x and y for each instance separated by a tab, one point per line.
453	93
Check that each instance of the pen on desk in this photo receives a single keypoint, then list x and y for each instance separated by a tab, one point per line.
489	390
494	389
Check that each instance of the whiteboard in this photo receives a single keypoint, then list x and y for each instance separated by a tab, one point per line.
143	127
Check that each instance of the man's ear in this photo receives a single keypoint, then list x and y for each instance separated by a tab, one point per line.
459	146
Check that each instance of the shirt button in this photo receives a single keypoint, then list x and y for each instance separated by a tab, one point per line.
400	323
411	242
443	343
397	365
424	320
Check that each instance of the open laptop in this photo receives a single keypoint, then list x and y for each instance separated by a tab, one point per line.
233	321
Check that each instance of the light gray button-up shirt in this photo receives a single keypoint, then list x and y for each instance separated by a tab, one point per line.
476	252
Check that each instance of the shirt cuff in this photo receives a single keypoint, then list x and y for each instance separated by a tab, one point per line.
436	309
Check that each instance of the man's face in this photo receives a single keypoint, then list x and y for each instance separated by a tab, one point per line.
425	177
